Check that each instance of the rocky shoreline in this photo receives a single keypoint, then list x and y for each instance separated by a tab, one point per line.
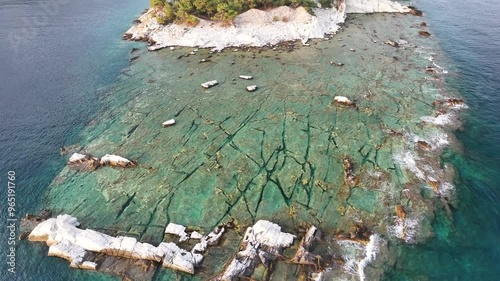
262	245
339	147
255	28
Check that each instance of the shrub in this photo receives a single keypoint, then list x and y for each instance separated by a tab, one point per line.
184	6
326	3
183	17
156	3
225	13
187	11
169	15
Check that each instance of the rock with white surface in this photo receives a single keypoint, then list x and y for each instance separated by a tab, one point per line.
83	162
88	265
303	256
196	235
210	240
168	123
69	242
177	229
252	88
77	158
262	243
68	251
116	161
209	84
179	259
255	27
342	100
375	6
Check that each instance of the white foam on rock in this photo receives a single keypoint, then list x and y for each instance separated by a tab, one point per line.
371	253
256	28
446	189
405	229
358	255
436	138
408	160
441	119
196	235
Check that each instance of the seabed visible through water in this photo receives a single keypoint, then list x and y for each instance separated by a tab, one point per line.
278	153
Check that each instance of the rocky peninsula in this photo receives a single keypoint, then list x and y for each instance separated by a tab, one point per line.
336	156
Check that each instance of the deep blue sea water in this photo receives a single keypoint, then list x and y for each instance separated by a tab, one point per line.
52	75
469	33
56	58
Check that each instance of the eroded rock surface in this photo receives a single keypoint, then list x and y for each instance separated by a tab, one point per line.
277	155
67	241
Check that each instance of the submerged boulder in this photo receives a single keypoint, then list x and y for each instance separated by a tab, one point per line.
209	84
342	100
251	88
168	123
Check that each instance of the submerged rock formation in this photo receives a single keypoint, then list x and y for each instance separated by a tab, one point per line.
278	154
209	84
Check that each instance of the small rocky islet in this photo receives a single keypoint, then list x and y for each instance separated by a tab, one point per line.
341	159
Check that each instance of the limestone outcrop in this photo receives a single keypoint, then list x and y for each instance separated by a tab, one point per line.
375	6
343	100
67	241
84	162
116	161
88	162
262	243
255	27
303	255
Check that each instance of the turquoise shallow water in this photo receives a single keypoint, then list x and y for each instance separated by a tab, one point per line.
465	250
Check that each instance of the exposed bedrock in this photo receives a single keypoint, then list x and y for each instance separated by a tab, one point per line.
255	27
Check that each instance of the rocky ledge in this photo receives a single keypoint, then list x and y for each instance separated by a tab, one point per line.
263	244
67	241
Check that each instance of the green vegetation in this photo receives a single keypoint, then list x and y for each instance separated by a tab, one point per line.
325	3
187	11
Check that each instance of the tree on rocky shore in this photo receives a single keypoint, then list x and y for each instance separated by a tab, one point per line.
188	11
